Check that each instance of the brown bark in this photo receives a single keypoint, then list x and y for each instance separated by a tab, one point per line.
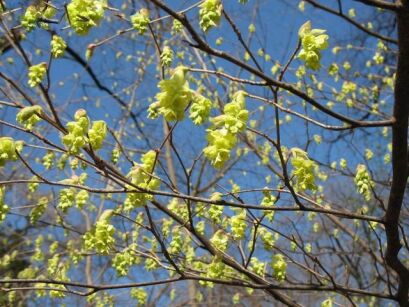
399	157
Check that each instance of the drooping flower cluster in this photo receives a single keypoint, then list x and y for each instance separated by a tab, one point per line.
200	109
58	46
141	176
268	200
235	114
69	196
221	142
279	267
48	159
8	148
85	14
101	237
36	74
30	17
364	182
313	41
238	225
257	266
76	138
28	116
78	134
174	96
304	170
3	207
140	21
97	134
223	136
166	56
220	240
38	210
124	260
34	13
140	295
177	26
210	14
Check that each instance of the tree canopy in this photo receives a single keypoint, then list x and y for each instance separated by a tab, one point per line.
232	152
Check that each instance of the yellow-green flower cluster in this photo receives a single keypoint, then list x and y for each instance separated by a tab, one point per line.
304	170
257	266
140	21
124	260
97	134
140	295
141	176
220	240
8	148
223	136
38	210
67	198
48	159
29	116
36	73
364	182
235	114
177	26
216	269
313	41
166	56
85	14
174	96
200	109
176	244
78	134
238	225
76	138
30	17
3	207
58	46
210	14
279	267
101	237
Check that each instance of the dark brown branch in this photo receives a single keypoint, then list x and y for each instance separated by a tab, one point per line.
399	159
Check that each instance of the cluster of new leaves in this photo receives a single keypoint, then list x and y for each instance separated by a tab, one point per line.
364	182
313	41
85	14
29	116
80	135
222	137
210	14
36	74
9	149
141	176
101	237
304	170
